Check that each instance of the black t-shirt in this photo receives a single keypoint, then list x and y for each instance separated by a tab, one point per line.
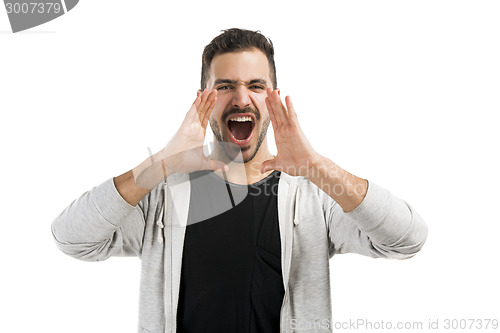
231	279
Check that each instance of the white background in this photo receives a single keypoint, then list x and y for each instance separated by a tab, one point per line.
403	93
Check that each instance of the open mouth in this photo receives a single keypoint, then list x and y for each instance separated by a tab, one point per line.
241	127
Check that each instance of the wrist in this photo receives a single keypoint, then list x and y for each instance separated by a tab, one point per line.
321	168
165	163
345	188
151	172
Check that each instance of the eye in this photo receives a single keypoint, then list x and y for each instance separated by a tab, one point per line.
257	87
223	87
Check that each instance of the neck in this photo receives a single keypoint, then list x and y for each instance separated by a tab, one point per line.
244	173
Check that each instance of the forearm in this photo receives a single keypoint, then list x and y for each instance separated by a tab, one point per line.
134	184
128	189
345	188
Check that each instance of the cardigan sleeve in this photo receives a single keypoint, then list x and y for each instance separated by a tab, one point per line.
383	225
99	224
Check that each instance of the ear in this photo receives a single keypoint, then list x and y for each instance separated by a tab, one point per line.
198	93
278	90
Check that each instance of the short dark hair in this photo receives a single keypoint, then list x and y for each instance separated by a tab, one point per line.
237	40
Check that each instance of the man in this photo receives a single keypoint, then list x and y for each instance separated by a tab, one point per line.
220	252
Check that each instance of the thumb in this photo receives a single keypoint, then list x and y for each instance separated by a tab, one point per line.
268	165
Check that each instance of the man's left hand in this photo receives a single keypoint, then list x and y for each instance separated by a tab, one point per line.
295	154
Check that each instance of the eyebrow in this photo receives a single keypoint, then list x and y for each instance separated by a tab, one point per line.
219	81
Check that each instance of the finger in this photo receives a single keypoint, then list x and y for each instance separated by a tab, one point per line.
271	110
291	110
197	104
206	100
201	104
200	96
210	104
279	109
205	94
271	114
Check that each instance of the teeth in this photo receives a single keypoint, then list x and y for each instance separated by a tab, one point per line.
241	119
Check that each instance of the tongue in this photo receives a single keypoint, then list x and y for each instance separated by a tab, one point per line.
240	130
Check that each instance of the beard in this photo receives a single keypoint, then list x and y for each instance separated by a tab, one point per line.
218	135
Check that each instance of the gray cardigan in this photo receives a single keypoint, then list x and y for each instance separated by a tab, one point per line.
313	227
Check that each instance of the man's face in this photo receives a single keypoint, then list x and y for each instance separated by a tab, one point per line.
240	115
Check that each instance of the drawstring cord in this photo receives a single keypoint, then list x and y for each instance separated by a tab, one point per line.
159	222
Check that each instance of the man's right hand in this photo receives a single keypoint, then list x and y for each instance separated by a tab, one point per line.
184	152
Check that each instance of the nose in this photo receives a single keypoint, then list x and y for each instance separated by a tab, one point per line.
241	97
